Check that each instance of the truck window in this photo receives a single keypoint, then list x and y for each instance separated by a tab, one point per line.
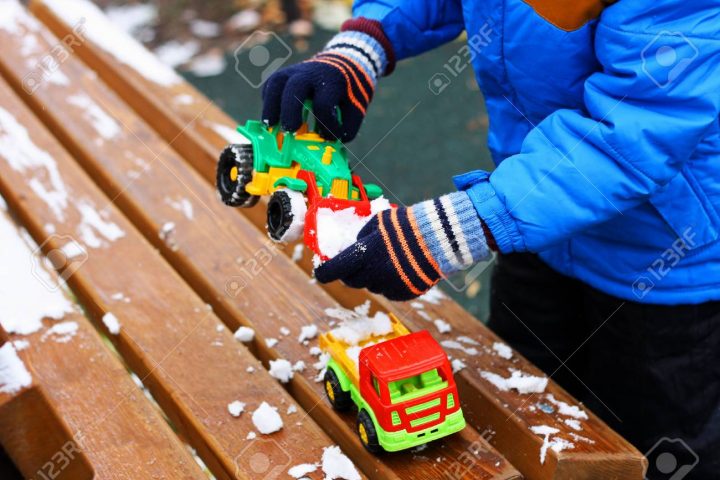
376	385
417	386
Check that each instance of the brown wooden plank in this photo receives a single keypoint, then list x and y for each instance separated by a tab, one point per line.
82	417
510	414
210	249
169	336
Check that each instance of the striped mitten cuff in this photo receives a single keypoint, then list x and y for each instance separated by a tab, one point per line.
403	252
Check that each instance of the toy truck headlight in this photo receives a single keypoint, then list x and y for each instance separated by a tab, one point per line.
450	400
395	418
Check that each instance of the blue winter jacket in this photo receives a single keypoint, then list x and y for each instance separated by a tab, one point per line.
604	127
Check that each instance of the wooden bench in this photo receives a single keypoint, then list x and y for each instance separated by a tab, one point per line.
142	154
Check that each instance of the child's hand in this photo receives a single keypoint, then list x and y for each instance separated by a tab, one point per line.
340	78
403	252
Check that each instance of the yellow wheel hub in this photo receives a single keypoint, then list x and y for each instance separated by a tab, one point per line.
234	174
363	434
330	391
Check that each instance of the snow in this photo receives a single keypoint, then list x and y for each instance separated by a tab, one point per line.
174	53
502	350
299	471
291	409
271	342
14	376
356	326
281	369
28	293
284	331
433	296
520	381
251	436
266	419
442	326
183	205
299	366
103	123
468	340
457	365
307	332
321	366
298	252
557	444
230	135
20	344
338	229
315	351
93	224
244	334
453	345
24	156
235	408
244	20
13	14
132	18
113	40
298	207
184	99
61	332
250	369
204	28
574	424
209	64
73	249
112	323
336	465
566	409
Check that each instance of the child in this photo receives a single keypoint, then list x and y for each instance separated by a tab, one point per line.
605	132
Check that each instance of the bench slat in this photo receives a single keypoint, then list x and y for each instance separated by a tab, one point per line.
205	248
188	360
83	415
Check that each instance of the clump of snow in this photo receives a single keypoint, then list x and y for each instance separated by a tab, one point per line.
271	342
266	419
209	64
457	365
112	323
183	205
24	156
102	122
502	350
336	464
453	345
298	207
299	471
291	409
93	226
315	351
14	376
28	293
235	408
20	344
284	331
250	369
468	340
357	326
567	409
244	334
580	438
281	369
442	326
338	229
184	99
572	423
520	381
433	296
298	252
61	332
299	366
204	28
251	436
100	31
174	53
308	332
556	444
321	366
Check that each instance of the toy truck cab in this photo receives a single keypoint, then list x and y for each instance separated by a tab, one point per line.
403	388
300	171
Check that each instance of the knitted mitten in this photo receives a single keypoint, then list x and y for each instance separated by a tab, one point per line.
341	77
402	253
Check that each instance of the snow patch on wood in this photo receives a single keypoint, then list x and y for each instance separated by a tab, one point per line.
522	382
14	376
266	419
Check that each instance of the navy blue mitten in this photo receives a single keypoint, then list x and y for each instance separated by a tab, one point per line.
340	81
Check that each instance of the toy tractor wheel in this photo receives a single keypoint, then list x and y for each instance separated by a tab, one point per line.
234	172
367	432
286	215
339	399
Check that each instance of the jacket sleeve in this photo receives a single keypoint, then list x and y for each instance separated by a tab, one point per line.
655	97
414	26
